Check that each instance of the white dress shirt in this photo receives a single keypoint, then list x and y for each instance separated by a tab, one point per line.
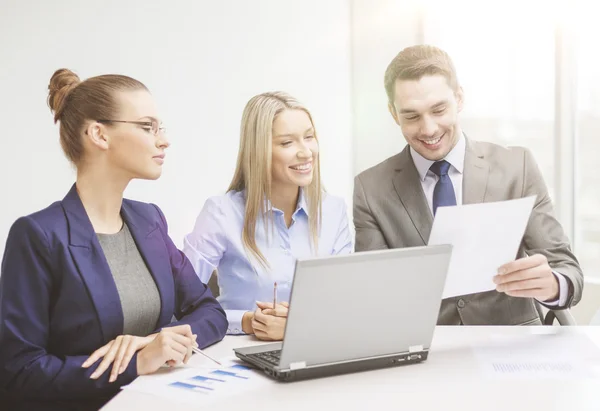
456	158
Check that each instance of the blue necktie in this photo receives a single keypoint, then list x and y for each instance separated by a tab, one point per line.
443	193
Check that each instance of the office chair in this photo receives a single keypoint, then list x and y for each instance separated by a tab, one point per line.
564	317
213	284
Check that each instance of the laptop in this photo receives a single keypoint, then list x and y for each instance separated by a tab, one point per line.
357	312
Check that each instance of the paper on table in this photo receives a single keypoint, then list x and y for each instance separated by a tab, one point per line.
483	237
200	386
555	356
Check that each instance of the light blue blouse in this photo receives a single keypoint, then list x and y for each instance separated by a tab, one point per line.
216	242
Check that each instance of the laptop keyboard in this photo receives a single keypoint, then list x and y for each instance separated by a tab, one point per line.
272	357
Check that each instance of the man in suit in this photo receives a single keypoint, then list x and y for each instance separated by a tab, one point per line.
395	201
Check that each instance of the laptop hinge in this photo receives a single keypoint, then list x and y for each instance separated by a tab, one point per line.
297	365
415	348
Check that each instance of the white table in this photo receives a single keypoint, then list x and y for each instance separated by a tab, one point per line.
450	379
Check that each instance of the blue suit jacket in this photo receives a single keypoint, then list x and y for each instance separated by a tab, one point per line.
59	303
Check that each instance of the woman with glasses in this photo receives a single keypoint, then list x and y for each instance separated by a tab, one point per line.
275	211
89	285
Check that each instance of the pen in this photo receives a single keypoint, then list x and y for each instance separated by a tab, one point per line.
274	294
199	351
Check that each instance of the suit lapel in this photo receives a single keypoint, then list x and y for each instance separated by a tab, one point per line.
408	187
475	175
95	272
93	267
151	245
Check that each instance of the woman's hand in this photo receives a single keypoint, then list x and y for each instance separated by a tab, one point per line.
269	323
281	309
118	352
172	345
247	319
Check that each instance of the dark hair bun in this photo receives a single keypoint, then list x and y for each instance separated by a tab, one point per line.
61	83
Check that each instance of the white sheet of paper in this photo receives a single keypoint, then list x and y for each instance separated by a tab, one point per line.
200	386
549	356
483	237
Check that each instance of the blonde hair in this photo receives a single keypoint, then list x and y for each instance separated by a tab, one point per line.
414	62
253	169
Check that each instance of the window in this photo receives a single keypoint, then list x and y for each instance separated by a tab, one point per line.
507	73
587	204
506	64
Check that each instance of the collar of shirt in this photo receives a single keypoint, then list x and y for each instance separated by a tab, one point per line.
301	205
456	158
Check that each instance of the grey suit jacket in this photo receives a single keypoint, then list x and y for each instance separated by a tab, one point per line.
391	211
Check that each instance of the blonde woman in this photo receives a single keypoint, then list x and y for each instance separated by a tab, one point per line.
274	212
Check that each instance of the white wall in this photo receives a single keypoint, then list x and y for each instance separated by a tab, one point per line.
380	30
201	59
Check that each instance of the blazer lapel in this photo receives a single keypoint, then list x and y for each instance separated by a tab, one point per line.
92	266
151	245
475	175
408	187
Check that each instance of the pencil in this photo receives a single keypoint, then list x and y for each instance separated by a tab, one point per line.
199	351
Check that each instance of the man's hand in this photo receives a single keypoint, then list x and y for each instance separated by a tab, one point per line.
528	277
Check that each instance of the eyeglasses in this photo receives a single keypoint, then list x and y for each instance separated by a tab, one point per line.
152	126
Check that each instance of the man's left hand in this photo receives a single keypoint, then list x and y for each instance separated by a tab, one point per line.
529	277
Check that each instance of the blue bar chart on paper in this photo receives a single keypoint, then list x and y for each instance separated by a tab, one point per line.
210	381
201	385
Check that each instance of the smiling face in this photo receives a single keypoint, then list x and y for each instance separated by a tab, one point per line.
294	149
427	112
